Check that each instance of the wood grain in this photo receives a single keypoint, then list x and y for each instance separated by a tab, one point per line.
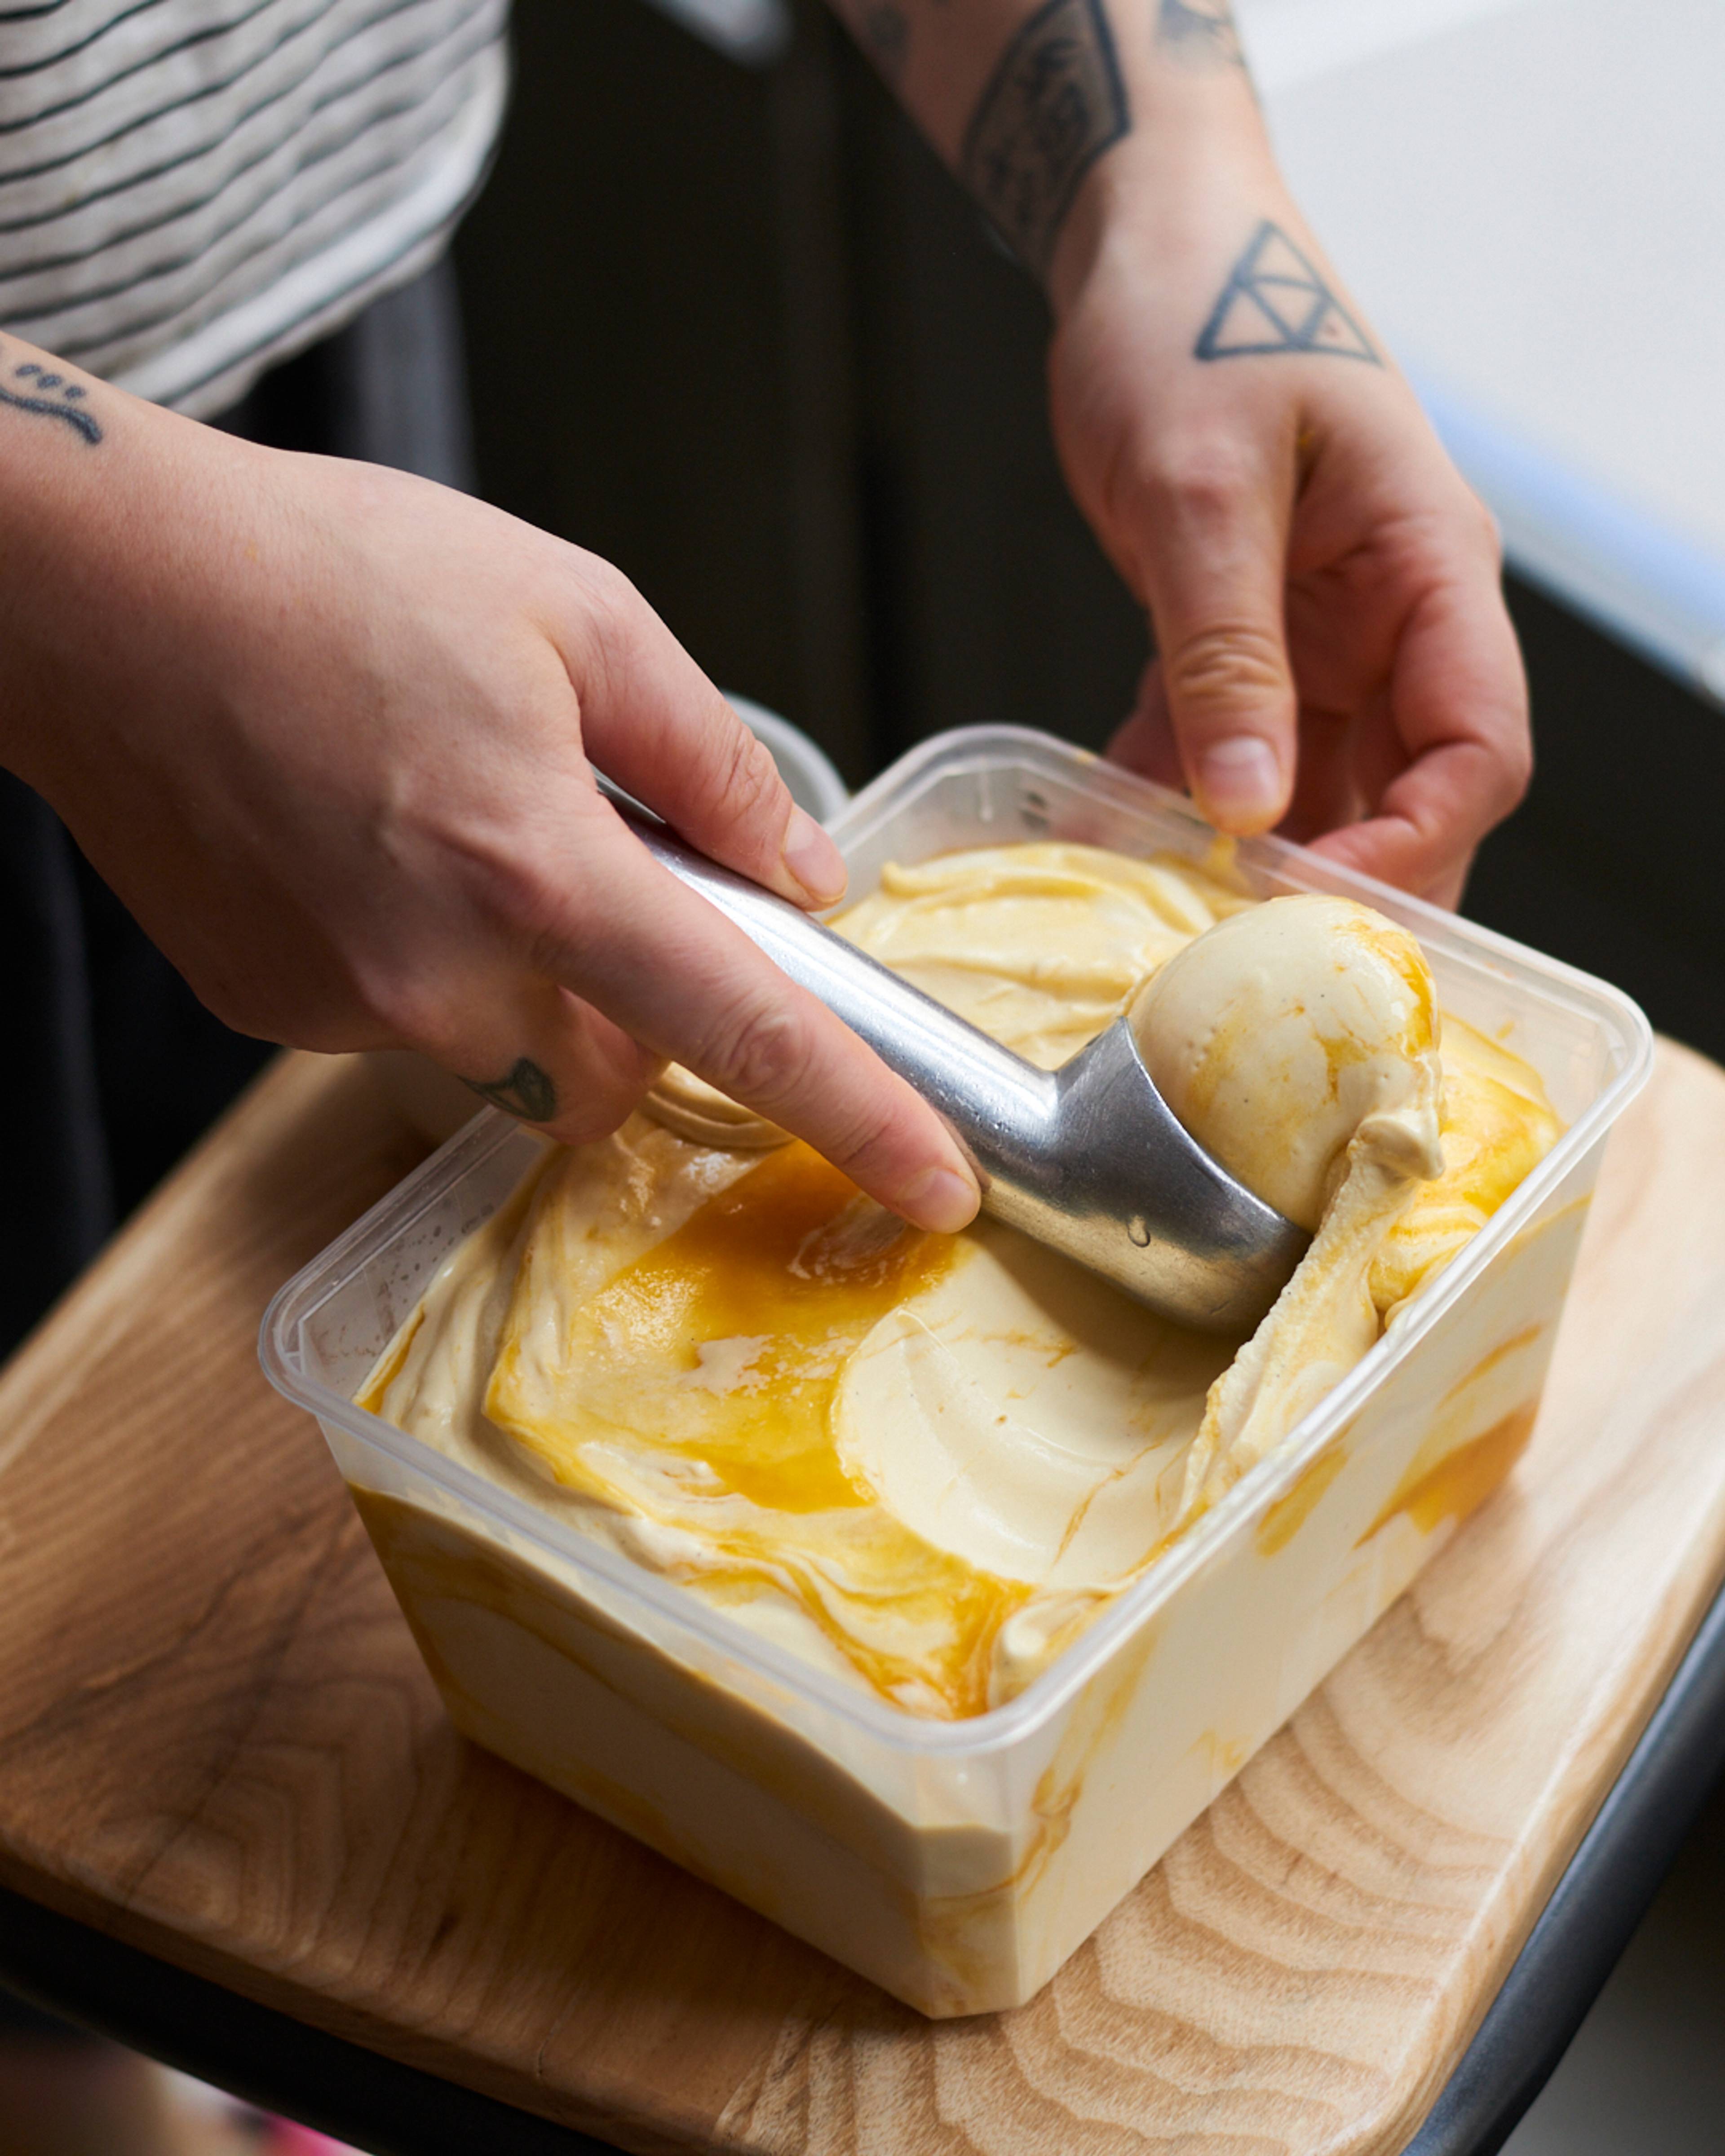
217	1742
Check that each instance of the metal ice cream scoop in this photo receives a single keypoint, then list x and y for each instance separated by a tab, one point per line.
1089	1159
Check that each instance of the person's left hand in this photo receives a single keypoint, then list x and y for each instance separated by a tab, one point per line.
1334	655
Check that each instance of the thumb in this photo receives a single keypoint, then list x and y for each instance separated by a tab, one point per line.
1213	576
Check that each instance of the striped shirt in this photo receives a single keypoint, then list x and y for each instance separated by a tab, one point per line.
191	190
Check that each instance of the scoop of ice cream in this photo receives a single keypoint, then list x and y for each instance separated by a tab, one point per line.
1276	1034
1299	1044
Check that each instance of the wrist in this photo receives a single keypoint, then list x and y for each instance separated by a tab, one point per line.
100	513
1194	166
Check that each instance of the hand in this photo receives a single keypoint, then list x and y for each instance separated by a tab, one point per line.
1334	655
325	729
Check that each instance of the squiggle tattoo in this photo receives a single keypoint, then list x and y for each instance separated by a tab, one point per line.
67	405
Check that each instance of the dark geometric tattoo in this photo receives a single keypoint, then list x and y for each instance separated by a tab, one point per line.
39	397
887	32
526	1092
1052	106
1276	300
1201	33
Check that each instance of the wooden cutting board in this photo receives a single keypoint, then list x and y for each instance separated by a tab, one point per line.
217	1742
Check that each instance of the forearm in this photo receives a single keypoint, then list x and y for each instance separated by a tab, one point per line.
1333	649
107	520
1055	116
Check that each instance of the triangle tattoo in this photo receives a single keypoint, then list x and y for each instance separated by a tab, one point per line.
1276	300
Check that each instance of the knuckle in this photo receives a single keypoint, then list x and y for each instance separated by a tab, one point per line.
1515	773
865	1143
527	897
335	1004
749	782
615	621
614	598
600	1072
763	1053
1224	667
1204	480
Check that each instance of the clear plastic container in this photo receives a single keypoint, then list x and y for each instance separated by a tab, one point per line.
958	1864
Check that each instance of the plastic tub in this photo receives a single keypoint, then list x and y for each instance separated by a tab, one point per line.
958	1864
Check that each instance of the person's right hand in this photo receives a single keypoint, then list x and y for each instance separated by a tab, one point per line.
326	731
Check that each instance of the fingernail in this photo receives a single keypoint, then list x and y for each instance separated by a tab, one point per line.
813	858
941	1199
1239	784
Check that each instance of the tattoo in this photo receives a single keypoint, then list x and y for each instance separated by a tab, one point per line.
1052	106
1201	33
1276	300
53	397
525	1091
887	32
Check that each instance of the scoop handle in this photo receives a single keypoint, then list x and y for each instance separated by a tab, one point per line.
996	1102
1091	1161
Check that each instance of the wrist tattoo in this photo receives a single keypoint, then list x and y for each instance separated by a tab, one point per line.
1052	106
886	37
524	1092
1276	300
33	387
1199	32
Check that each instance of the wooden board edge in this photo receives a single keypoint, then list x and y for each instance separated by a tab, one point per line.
331	2014
1688	1609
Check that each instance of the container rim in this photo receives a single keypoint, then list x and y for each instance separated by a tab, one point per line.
1627	1030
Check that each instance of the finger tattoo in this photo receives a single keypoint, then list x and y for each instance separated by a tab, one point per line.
525	1091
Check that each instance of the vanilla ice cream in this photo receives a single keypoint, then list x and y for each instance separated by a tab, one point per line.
925	1463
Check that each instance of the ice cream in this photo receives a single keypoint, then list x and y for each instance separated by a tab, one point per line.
1299	1042
925	1463
1291	1032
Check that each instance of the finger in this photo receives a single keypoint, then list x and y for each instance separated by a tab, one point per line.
1458	701
679	978
1144	742
652	722
1327	789
1213	567
542	1055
